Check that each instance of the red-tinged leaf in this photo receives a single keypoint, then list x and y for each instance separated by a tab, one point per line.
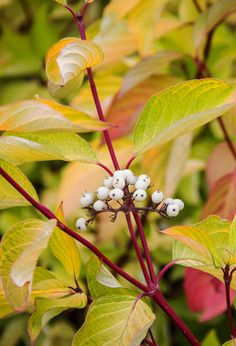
205	294
222	198
214	170
126	108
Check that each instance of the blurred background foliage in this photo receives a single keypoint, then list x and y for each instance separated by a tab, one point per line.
148	46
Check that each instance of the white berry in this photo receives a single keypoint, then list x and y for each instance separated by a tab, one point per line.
130	177
157	197
172	210
103	192
116	194
168	201
145	178
179	203
108	182
86	199
118	182
119	173
140	195
81	224
99	206
141	185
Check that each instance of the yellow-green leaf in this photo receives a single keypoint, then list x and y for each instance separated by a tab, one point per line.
181	109
61	2
31	147
207	245
46	309
65	249
46	115
209	19
230	343
68	58
9	196
128	326
20	248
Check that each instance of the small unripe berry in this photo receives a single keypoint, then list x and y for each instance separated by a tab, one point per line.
81	224
103	192
157	197
116	194
172	210
119	173
139	195
99	206
141	185
179	203
86	199
108	182
145	178
118	182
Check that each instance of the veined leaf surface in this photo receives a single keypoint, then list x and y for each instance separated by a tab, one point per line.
20	148
20	248
9	196
181	109
128	326
46	115
67	59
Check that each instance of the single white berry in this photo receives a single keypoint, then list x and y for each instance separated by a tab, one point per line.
86	199
145	178
168	201
172	210
81	224
157	197
141	185
118	182
119	173
99	206
108	182
116	194
179	203
103	192
139	195
130	177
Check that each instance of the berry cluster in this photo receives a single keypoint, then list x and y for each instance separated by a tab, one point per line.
126	188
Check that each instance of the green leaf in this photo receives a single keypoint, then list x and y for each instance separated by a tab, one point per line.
20	148
20	249
211	339
208	245
46	115
180	109
102	283
67	59
65	249
5	308
46	309
9	196
230	343
209	19
129	324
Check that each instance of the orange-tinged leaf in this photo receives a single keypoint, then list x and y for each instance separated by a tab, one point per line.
222	198
68	58
119	8
214	171
46	115
126	107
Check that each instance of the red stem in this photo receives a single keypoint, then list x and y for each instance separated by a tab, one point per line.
138	252
130	161
161	301
50	215
105	168
227	280
145	246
